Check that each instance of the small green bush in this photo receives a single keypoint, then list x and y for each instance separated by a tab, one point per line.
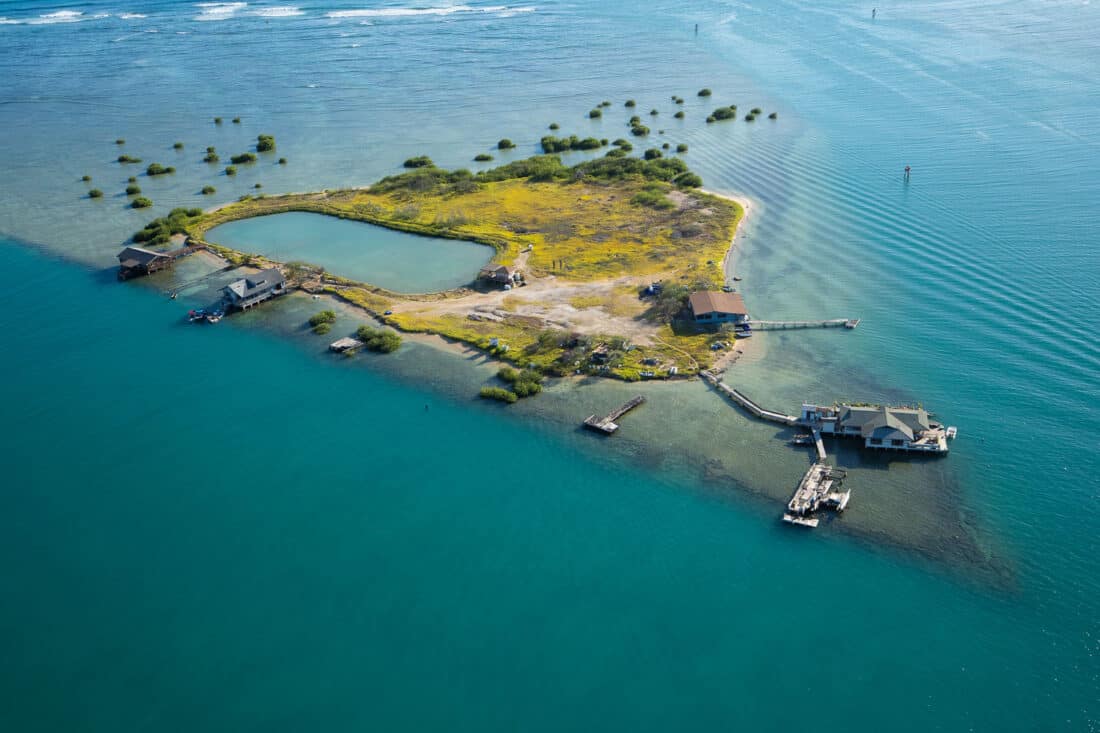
639	130
554	126
85	178
265	143
483	157
420	161
258	185
120	141
524	383
616	153
653	198
773	116
133	190
243	158
595	113
756	111
324	319
131	179
624	144
682	148
704	92
230	170
282	161
177	145
664	146
322	328
629	103
217	120
208	190
377	339
652	154
678	100
211	156
688	180
128	159
654	112
635	120
140	203
156	169
95	193
605	103
724	113
497	393
750	117
679	114
236	120
505	144
710	119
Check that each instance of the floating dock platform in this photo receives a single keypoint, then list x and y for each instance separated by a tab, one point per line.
344	344
607	424
819	489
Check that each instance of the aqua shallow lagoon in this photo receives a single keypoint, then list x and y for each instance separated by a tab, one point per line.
397	261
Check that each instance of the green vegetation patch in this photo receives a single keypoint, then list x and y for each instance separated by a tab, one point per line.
420	161
551	144
378	339
483	157
156	169
208	190
704	92
243	158
95	193
505	144
128	159
133	190
322	322
141	203
525	383
265	143
497	393
160	231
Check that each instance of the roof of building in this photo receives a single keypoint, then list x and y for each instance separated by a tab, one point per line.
714	301
262	281
137	256
496	270
905	420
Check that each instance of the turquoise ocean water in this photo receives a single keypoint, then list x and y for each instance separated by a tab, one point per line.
223	529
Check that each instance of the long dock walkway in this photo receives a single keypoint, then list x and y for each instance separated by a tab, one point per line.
746	403
607	424
783	325
819	445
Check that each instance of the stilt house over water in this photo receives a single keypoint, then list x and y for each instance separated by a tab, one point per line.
137	261
249	291
891	428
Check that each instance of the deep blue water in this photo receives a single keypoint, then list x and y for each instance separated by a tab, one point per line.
352	560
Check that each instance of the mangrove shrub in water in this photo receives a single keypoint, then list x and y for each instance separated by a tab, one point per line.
652	154
483	157
524	383
211	156
85	178
217	120
208	190
133	190
322	322
420	161
236	120
594	113
554	125
282	161
497	393
140	203
177	145
131	179
704	92
156	169
629	103
682	148
265	143
505	144
230	170
95	193
724	113
243	158
377	339
773	116
128	159
679	114
639	130
120	141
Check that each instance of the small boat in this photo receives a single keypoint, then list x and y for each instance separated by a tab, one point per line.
214	316
737	279
802	439
198	314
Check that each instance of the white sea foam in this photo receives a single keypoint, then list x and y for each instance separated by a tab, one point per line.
9	21
65	16
218	11
132	16
278	11
412	12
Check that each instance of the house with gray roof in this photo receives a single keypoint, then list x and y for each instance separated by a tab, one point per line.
254	289
880	426
138	261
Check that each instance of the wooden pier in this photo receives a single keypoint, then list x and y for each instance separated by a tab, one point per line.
819	489
784	325
607	424
743	401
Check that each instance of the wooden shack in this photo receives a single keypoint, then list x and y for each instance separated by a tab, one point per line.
137	262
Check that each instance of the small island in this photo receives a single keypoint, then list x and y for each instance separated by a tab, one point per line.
591	267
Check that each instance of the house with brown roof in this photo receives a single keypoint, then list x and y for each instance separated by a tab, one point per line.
712	306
